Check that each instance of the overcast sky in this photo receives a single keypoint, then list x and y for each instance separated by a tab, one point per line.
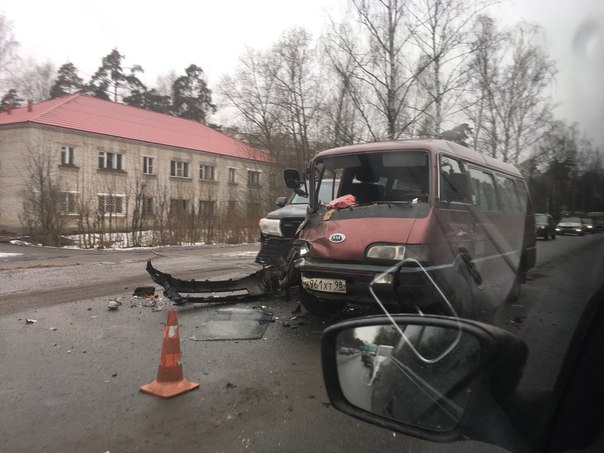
165	36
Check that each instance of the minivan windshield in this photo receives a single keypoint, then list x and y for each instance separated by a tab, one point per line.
391	176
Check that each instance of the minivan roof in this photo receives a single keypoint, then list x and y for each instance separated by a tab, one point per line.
444	146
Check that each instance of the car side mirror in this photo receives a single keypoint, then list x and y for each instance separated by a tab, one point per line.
281	201
294	181
432	377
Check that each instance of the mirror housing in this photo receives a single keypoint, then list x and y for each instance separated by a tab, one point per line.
487	392
295	182
281	201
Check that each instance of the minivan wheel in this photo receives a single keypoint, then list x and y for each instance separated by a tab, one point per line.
316	306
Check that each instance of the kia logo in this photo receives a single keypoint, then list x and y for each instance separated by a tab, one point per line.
337	238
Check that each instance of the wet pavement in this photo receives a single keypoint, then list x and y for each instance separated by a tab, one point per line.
71	379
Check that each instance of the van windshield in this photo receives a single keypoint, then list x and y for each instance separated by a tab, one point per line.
392	176
327	192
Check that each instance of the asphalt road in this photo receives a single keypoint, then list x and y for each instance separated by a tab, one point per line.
70	381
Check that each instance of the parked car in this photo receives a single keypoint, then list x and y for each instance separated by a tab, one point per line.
545	227
589	225
571	225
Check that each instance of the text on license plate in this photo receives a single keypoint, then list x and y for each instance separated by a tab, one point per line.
327	285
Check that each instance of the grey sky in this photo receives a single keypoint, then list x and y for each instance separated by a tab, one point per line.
171	35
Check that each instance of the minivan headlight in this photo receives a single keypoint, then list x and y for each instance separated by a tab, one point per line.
271	227
387	252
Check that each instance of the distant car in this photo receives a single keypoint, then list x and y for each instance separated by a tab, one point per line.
571	225
545	226
589	225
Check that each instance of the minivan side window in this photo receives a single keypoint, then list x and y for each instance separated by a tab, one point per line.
523	197
507	194
483	185
454	185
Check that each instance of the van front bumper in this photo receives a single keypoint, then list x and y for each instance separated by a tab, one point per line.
408	287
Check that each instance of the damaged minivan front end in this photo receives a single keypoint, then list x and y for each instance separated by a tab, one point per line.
406	230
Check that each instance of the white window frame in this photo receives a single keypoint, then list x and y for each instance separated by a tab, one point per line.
253	181
110	160
207	172
179	168
148	165
70	201
232	178
106	196
68	155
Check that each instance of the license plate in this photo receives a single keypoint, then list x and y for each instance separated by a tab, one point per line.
326	285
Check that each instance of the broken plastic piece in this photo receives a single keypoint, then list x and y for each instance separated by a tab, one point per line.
262	283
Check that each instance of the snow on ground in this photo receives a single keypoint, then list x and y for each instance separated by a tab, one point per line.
9	255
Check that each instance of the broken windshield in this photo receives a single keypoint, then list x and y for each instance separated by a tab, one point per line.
380	177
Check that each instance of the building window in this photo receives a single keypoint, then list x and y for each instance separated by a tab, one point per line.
231	208
207	208
206	172
111	204
67	155
232	173
179	169
147	206
69	202
110	161
178	206
147	165
253	177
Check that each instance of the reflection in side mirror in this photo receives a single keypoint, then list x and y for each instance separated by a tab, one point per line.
423	377
437	378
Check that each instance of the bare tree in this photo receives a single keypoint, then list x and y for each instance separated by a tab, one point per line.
512	73
387	66
251	92
440	34
484	72
297	90
164	83
340	123
34	81
8	49
43	201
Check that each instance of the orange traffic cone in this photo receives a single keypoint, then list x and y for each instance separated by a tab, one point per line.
170	380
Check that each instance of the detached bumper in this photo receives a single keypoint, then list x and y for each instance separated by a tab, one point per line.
259	284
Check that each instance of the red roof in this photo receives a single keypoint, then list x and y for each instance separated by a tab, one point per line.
89	114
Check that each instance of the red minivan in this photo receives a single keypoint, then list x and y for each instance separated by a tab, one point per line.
431	227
